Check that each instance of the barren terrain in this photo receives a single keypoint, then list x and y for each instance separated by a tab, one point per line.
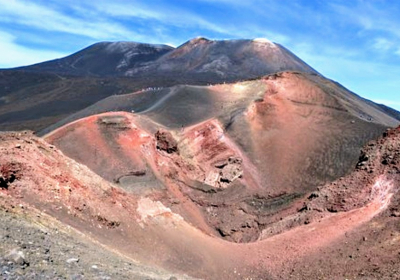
152	162
348	228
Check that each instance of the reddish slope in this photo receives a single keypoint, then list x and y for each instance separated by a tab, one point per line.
111	145
307	127
115	146
235	155
338	218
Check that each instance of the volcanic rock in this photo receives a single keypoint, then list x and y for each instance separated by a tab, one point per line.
17	256
166	142
8	173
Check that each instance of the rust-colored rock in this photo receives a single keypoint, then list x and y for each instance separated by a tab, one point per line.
9	172
166	142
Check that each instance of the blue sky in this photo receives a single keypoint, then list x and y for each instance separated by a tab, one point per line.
356	43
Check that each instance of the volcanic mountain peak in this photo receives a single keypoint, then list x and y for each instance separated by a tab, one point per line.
64	86
198	40
102	59
226	60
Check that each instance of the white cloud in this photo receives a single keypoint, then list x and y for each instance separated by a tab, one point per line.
382	44
12	54
42	17
370	17
166	15
178	17
109	20
101	20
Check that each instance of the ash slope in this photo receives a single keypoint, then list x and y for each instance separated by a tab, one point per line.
346	229
250	149
36	96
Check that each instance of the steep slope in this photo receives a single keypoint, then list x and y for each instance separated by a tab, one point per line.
346	229
36	96
250	149
226	60
229	60
102	59
372	250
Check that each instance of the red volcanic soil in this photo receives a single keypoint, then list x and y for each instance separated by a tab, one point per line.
346	229
231	159
109	144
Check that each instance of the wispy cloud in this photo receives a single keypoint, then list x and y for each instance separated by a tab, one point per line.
382	44
111	20
104	20
44	18
370	16
166	15
12	54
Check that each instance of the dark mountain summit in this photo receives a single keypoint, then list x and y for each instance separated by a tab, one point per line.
102	59
226	60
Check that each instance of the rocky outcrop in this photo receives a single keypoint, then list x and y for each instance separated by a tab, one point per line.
9	172
166	142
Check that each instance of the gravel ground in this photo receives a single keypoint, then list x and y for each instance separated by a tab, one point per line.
34	246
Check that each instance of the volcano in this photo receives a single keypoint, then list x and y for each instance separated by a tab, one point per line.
224	160
34	97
